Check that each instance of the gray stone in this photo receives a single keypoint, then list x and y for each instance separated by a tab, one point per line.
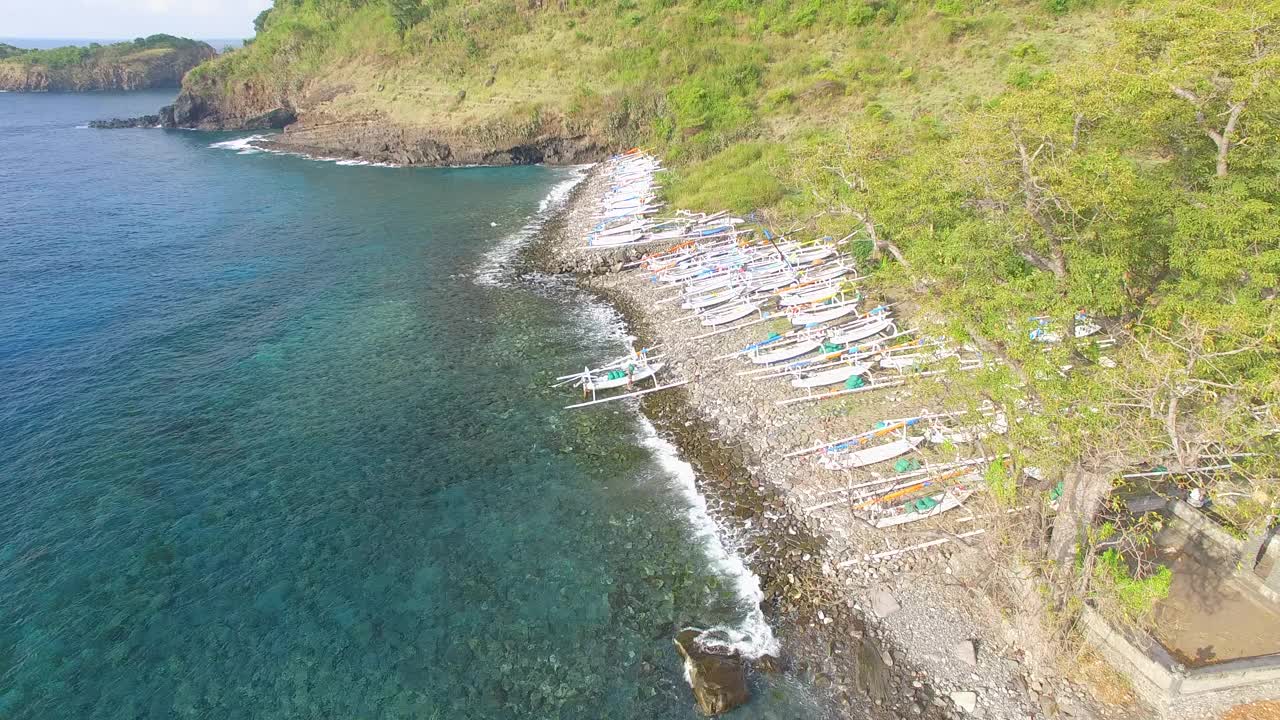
965	700
967	652
883	603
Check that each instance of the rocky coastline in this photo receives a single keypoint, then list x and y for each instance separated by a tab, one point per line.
914	636
309	129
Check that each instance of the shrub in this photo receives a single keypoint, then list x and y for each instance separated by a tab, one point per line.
1134	597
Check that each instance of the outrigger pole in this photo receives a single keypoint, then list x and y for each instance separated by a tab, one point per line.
627	395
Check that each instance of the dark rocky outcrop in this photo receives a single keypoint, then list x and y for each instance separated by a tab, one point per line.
204	112
192	112
718	677
145	121
196	112
383	142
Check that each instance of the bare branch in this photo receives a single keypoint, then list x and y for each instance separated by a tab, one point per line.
1221	139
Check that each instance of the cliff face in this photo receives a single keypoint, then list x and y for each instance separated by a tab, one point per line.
314	127
158	67
375	141
239	106
329	119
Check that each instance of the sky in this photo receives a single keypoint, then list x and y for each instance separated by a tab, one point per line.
127	19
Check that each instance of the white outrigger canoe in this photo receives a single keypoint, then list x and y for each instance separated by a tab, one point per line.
788	352
861	332
819	273
809	255
834	376
825	314
711	282
729	314
623	372
712	298
871	455
810	295
926	507
620	377
771	282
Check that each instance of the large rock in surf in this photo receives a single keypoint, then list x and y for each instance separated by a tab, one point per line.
144	121
718	677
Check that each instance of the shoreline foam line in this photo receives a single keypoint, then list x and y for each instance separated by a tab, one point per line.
754	636
247	146
495	268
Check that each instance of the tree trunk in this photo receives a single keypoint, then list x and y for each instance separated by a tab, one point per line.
1223	140
1032	201
1256	545
879	246
1085	489
1056	265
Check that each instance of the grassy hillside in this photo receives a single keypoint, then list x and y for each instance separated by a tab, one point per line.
127	51
157	60
692	77
1000	160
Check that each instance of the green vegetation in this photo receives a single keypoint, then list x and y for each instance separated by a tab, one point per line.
71	55
1123	584
1134	597
1001	161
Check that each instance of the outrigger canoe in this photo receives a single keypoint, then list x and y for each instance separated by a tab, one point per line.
834	376
788	352
871	455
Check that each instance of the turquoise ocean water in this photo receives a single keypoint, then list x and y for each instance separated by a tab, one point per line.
276	441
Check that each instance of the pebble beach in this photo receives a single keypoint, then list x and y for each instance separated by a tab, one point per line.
915	633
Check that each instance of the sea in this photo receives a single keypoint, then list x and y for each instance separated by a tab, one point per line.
279	439
38	43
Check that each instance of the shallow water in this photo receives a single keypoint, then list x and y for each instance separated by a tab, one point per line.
276	440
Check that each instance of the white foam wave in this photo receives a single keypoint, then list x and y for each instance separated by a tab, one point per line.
242	146
495	266
752	637
346	163
250	146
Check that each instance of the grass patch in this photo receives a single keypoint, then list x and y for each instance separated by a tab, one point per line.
742	178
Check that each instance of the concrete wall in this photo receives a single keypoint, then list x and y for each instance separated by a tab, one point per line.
1157	675
1226	547
1148	665
1198	521
1233	673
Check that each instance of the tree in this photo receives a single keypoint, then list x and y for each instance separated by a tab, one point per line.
408	13
1216	67
882	177
260	22
1184	397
